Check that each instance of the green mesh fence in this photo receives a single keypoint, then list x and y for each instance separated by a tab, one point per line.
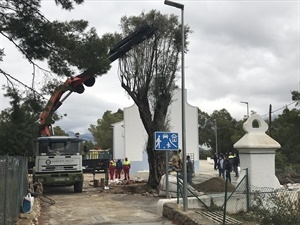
13	187
238	200
280	206
265	205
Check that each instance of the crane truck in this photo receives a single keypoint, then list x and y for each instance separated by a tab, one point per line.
58	159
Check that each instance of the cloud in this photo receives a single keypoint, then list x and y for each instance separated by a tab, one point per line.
238	51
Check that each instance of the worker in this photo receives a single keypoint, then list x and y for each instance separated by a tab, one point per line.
189	169
118	169
126	168
112	167
176	161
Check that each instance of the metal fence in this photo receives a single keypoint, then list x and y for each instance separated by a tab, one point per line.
13	187
275	206
239	199
266	205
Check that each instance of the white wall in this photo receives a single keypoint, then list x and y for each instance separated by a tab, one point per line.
135	137
191	122
135	134
118	140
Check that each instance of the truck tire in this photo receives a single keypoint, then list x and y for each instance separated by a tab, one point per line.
78	187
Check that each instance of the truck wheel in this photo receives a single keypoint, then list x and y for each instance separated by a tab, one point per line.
78	187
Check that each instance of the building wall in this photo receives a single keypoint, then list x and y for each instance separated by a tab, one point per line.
118	140
135	136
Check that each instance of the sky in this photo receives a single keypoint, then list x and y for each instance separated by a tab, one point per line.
239	51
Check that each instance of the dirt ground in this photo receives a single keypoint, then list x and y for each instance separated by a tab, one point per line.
127	203
97	205
130	203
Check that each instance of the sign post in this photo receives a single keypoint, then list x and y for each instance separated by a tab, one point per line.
166	141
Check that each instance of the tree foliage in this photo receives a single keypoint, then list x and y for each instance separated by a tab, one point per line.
18	124
219	130
206	128
148	74
296	97
103	132
64	45
67	47
286	130
59	132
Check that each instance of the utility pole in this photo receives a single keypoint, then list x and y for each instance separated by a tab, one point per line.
216	133
270	119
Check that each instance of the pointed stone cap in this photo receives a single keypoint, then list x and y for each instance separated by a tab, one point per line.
256	138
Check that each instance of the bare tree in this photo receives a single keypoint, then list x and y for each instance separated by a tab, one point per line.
148	74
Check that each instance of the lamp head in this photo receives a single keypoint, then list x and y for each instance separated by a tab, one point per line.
174	4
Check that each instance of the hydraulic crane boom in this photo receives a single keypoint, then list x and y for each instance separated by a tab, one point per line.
75	84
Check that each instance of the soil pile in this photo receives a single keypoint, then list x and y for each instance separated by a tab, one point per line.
214	185
132	188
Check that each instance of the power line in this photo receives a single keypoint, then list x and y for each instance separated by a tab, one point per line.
279	108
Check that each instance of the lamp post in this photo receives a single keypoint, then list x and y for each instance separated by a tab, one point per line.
216	134
181	7
247	108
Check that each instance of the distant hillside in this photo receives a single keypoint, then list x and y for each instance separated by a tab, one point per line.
86	136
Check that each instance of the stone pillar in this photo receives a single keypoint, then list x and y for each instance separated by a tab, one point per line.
257	153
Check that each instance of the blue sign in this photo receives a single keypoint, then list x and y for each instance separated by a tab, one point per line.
166	141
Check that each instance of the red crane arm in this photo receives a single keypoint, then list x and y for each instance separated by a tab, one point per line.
75	84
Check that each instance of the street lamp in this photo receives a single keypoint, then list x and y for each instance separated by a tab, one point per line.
181	7
247	108
216	134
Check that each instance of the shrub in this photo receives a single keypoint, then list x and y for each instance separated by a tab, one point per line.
277	208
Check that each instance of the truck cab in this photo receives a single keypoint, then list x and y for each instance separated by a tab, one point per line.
58	161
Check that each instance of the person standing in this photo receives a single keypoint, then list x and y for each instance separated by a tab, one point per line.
118	169
190	169
235	165
112	167
228	169
231	160
221	166
215	161
126	168
176	161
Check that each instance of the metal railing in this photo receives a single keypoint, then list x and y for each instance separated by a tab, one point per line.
239	198
180	191
13	187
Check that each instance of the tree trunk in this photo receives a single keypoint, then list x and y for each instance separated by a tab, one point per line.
156	160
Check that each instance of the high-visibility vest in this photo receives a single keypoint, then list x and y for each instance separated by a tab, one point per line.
126	164
112	165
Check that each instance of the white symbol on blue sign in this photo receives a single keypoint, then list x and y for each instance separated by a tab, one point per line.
166	141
